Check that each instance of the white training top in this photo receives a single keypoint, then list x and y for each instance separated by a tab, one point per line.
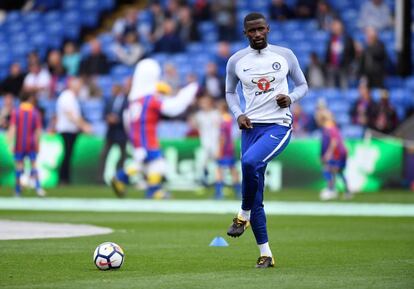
256	77
67	102
208	124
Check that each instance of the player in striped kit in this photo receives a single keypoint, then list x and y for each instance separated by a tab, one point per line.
226	158
261	107
25	129
146	105
333	156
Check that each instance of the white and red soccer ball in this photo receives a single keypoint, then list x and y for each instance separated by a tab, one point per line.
108	256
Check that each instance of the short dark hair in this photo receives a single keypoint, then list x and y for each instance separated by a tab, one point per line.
26	95
253	16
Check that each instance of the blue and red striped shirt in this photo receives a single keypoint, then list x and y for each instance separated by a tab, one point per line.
332	133
144	115
226	136
26	119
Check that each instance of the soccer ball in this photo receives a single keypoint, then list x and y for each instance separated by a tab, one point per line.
108	256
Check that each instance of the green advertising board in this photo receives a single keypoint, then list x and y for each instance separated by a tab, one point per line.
370	163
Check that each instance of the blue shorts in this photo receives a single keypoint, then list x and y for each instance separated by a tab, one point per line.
226	162
153	155
19	157
337	164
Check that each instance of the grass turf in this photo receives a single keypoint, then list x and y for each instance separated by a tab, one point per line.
93	191
171	251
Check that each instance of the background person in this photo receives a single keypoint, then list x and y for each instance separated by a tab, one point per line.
69	123
25	129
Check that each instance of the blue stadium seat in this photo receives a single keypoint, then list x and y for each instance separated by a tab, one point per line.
331	94
339	105
400	109
342	119
34	28
33	17
352	131
93	109
236	46
13	16
208	31
180	58
21	37
92	5
351	95
409	83
52	16
20	50
195	47
160	57
70	5
92	17
121	71
107	4
398	96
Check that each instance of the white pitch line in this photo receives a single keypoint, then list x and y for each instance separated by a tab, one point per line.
205	206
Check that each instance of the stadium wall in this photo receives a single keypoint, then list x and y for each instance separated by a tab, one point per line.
371	165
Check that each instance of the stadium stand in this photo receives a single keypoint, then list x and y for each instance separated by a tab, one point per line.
22	32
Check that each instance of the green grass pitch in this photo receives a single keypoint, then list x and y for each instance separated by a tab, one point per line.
171	251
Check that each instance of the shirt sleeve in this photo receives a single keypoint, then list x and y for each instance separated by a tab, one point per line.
38	120
231	84
13	118
296	74
173	106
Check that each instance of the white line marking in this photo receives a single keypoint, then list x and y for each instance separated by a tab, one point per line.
205	206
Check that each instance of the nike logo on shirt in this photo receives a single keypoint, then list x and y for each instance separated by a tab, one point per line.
247	69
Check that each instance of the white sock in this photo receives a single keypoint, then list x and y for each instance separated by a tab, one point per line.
244	215
265	250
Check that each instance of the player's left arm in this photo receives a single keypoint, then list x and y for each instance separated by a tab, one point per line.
301	86
11	132
38	130
333	143
330	150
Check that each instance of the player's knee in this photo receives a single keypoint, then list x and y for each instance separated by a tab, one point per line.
249	163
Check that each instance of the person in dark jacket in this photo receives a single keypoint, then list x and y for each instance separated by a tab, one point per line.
13	83
115	134
362	111
373	60
340	53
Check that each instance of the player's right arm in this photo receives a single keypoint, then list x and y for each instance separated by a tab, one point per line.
232	98
173	106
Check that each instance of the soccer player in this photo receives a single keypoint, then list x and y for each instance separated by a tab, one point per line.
264	117
207	121
226	153
145	107
25	128
333	155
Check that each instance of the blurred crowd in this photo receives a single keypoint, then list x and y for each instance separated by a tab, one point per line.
174	24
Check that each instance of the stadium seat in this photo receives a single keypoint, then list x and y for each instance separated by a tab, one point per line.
208	31
352	131
93	109
342	119
120	71
398	96
70	5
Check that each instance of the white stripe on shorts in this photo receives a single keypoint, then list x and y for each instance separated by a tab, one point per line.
278	146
